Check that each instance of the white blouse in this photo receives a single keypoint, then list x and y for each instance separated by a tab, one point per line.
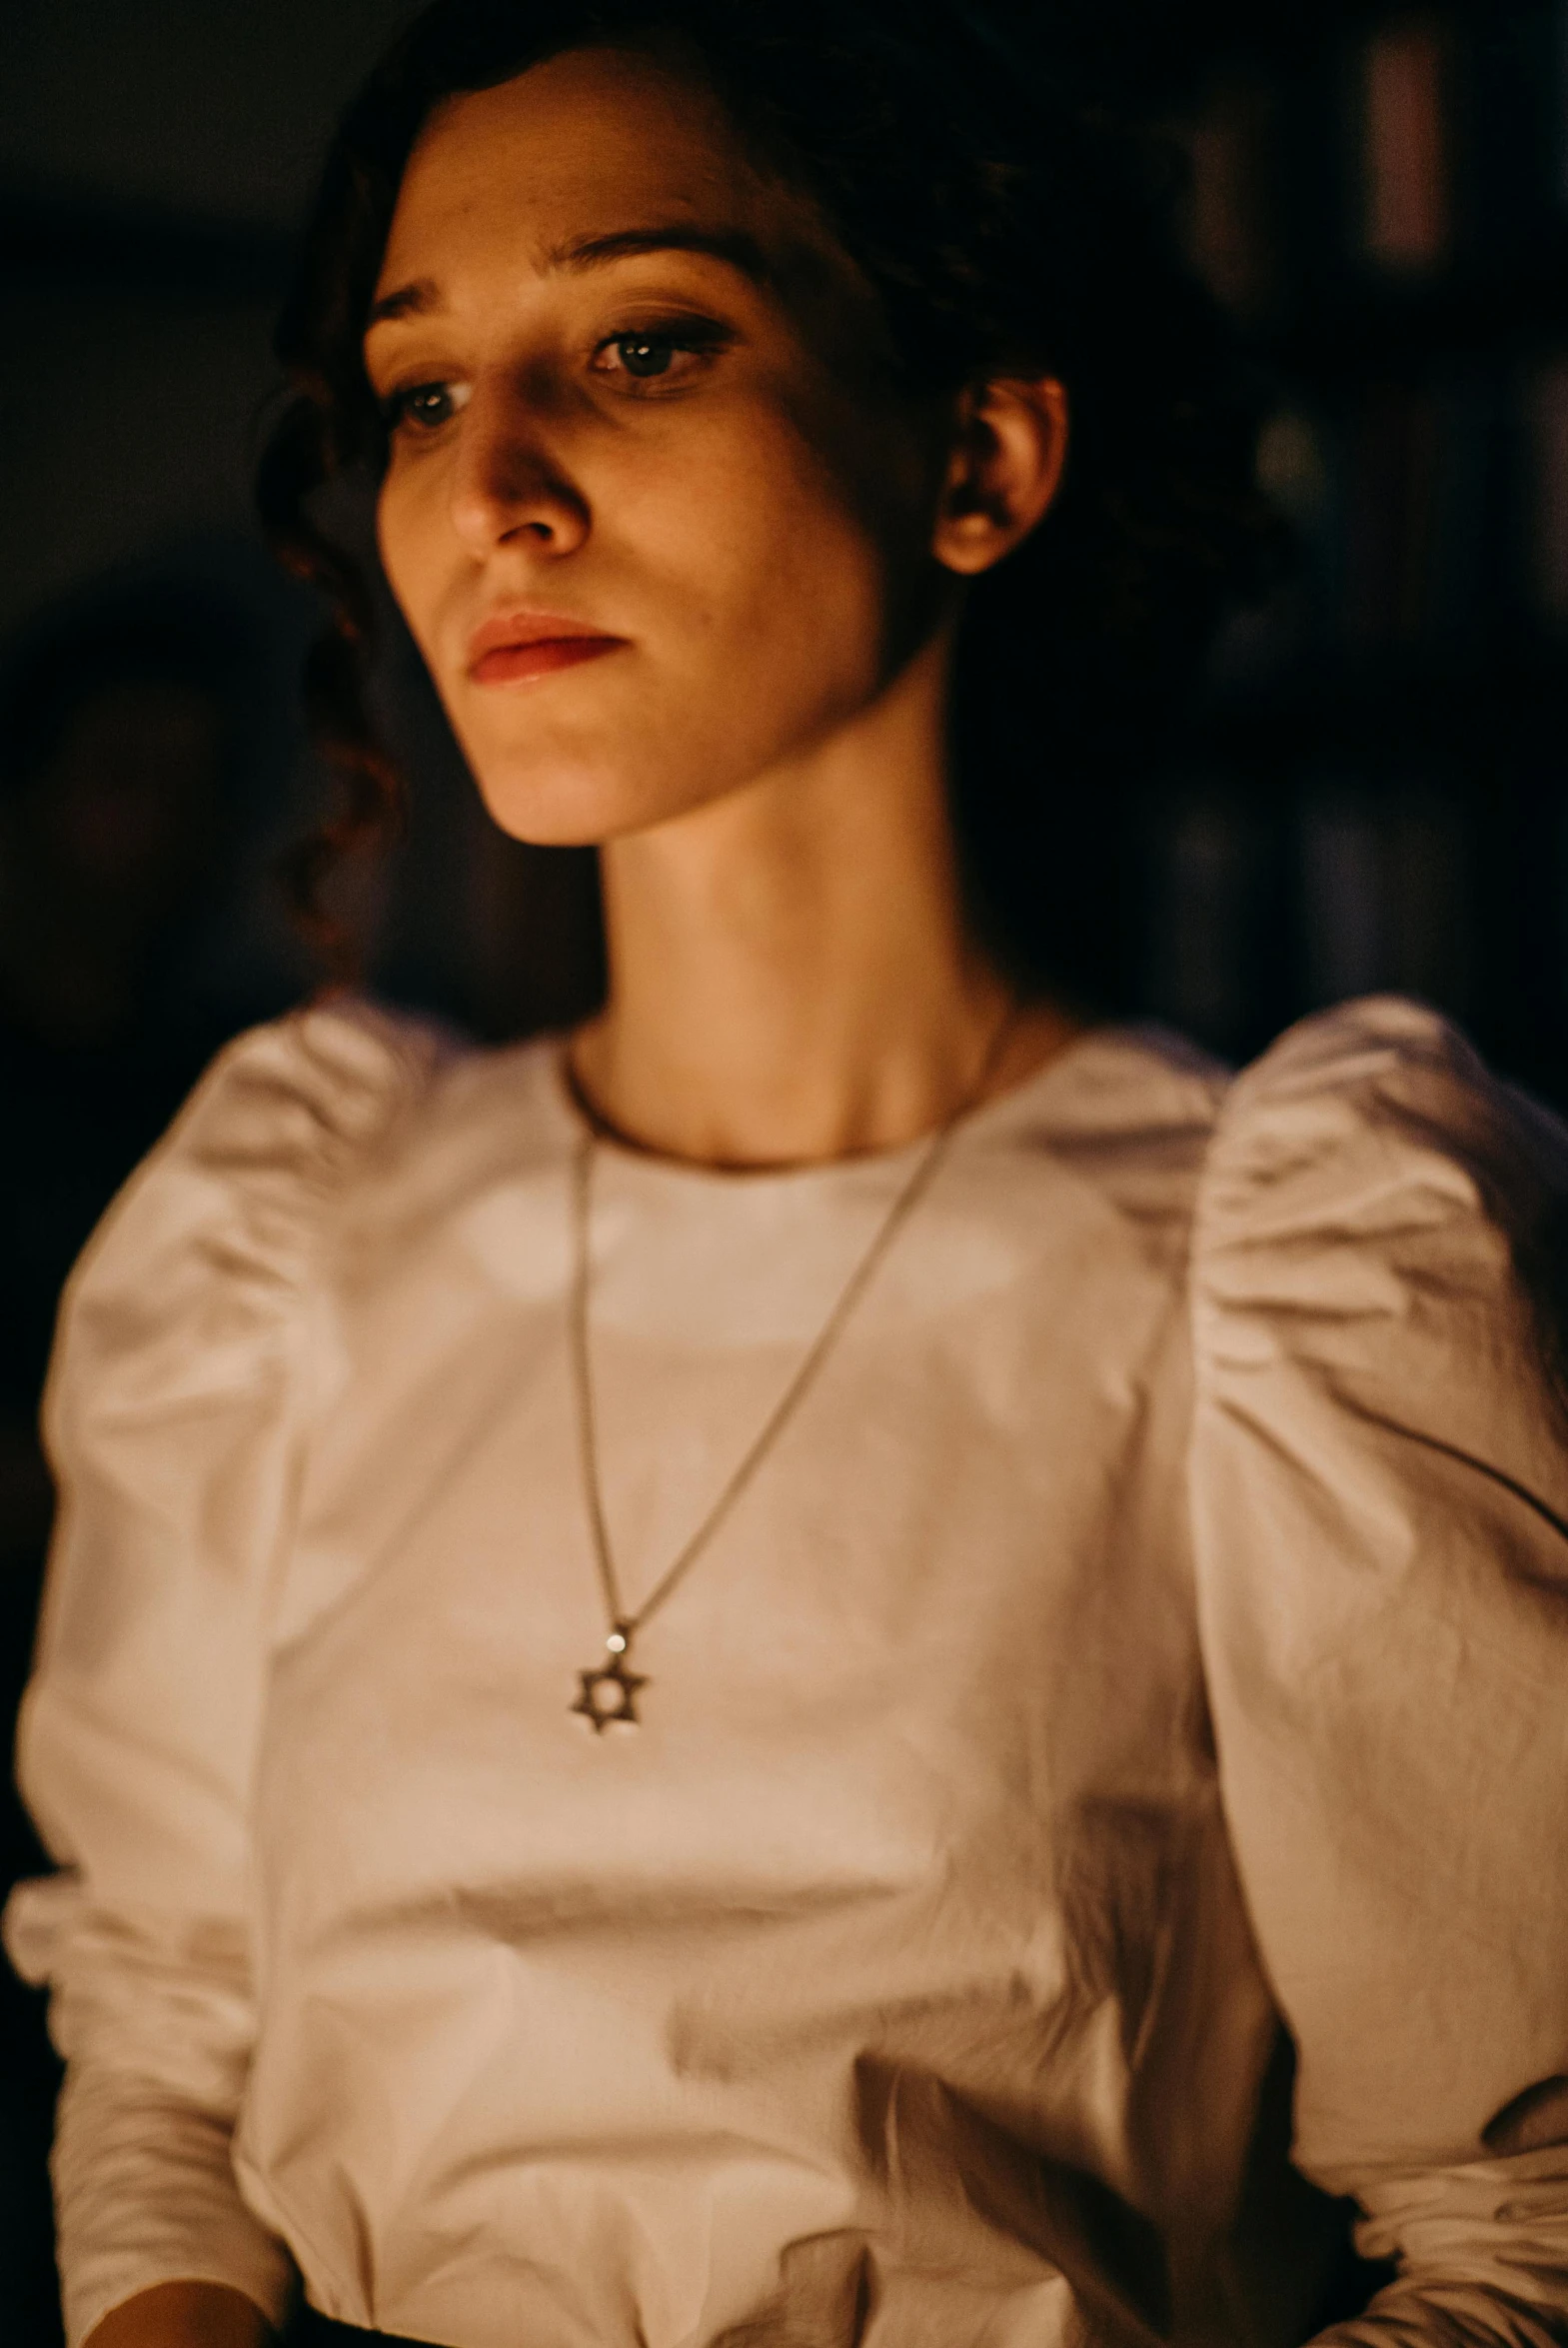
1153	1623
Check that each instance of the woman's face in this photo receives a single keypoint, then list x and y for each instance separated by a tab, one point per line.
653	514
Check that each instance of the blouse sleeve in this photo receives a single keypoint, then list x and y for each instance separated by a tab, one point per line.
1380	1487
175	1407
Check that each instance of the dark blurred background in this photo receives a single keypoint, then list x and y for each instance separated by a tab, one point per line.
1371	790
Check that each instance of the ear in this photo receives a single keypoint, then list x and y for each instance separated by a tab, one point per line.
1009	447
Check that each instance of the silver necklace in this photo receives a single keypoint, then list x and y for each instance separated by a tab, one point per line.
608	1692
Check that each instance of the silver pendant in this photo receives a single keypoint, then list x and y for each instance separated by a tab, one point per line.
607	1697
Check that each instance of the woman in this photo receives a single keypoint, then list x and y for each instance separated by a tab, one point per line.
753	1675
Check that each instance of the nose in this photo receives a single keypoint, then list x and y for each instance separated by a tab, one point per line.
508	487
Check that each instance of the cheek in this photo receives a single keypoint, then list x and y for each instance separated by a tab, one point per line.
778	573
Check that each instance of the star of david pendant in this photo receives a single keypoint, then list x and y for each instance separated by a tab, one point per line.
607	1697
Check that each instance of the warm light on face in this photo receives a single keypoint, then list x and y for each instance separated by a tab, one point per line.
653	521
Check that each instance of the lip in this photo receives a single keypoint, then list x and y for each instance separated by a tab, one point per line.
516	645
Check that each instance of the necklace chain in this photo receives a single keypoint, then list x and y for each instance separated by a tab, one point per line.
608	1693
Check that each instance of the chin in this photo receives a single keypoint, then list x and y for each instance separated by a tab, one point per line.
571	803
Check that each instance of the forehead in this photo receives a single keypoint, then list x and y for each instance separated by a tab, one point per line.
590	143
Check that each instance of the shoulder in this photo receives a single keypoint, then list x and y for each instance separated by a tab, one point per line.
284	1119
198	1261
1382	1211
1371	1090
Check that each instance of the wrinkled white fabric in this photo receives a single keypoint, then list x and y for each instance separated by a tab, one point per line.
1151	1625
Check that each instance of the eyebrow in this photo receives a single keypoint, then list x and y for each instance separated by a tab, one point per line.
730	245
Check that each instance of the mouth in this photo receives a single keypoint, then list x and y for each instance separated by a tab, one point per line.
520	645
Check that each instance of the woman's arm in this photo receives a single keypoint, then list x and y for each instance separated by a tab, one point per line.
177	1413
1379	1484
183	2315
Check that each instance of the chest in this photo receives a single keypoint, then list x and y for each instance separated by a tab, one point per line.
940	1637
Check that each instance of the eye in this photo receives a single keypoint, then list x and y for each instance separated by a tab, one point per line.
423	406
645	354
659	355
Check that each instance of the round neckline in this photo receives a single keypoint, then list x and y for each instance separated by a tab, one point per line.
658	1166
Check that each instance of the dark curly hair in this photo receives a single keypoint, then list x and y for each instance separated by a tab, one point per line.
1009	221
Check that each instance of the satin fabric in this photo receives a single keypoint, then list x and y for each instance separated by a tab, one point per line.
1149	1630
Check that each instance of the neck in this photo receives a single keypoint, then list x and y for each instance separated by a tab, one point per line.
792	975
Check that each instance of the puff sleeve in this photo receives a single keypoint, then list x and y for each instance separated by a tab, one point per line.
176	1405
1379	1494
